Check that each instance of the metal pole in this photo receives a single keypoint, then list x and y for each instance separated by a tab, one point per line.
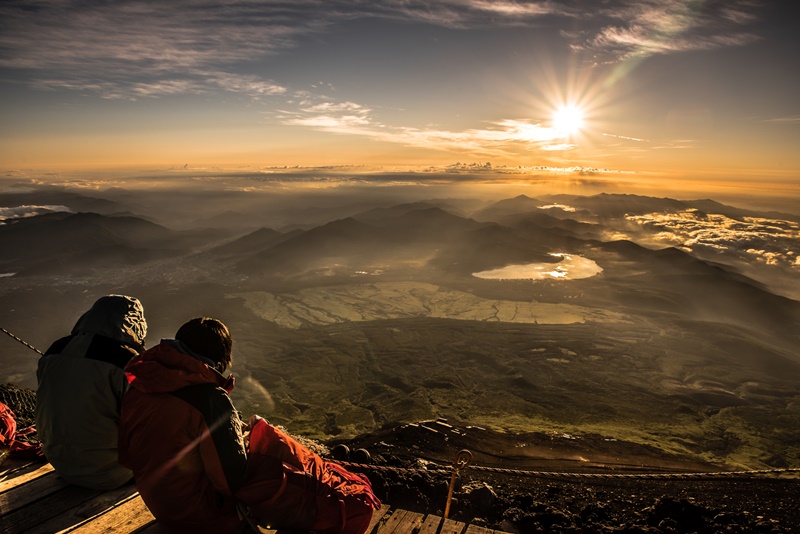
462	460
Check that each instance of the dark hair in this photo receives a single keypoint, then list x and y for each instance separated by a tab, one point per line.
209	338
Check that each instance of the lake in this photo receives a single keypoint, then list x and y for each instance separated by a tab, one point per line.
571	267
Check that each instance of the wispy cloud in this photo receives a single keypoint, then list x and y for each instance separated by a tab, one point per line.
143	49
517	9
199	83
500	138
140	48
623	137
648	27
792	119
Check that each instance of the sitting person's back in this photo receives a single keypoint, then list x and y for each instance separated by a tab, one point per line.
81	383
180	433
182	438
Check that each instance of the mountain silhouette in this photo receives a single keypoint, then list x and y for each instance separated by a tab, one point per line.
254	242
510	206
52	241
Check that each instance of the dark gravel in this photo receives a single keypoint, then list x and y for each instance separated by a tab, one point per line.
532	504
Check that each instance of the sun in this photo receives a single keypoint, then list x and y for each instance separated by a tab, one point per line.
568	119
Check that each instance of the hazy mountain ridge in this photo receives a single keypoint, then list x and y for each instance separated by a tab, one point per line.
252	242
75	241
81	239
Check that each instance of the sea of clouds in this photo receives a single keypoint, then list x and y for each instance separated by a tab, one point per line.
18	212
772	242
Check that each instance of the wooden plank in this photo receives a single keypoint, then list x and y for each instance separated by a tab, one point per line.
391	522
12	464
82	512
452	527
32	491
129	516
153	528
22	474
28	517
474	529
435	524
377	515
430	525
401	522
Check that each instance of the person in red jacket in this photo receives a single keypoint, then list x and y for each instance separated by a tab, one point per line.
180	433
183	439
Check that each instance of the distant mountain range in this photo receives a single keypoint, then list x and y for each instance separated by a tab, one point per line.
60	242
421	236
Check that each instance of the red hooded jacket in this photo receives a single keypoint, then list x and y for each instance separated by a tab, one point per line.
182	438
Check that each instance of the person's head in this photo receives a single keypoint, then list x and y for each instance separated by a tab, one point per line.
209	338
118	317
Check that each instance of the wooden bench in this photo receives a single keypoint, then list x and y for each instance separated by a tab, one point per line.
33	499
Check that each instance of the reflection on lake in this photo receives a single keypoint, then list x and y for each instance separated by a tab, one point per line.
569	268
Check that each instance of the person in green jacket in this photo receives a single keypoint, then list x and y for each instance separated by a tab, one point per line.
81	382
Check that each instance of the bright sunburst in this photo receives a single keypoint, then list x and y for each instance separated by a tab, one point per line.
568	119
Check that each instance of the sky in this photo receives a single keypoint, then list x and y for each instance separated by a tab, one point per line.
686	88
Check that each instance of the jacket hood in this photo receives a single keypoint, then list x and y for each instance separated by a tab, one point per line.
170	366
117	317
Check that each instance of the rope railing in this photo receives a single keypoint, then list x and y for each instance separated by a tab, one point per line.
554	474
12	336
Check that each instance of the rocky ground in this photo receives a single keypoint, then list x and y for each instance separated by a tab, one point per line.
515	502
541	487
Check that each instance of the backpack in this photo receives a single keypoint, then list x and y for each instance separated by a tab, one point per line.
10	444
289	486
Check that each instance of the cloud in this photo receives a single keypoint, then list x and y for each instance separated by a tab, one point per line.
624	137
648	27
141	48
130	90
18	212
251	85
501	138
560	146
792	119
134	90
773	242
517	9
562	207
